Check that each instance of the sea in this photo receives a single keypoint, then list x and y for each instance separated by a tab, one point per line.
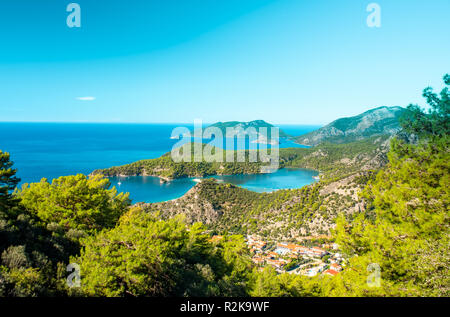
51	150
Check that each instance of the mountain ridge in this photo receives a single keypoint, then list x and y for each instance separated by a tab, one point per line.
374	122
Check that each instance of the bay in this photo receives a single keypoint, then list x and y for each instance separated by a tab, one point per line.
50	150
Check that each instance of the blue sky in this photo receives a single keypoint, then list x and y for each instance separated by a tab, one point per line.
285	61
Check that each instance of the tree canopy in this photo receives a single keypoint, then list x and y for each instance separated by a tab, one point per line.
75	202
147	256
432	122
32	257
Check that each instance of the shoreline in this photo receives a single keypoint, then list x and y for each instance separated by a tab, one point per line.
164	179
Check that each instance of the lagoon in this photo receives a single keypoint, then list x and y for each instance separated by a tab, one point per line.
149	189
286	178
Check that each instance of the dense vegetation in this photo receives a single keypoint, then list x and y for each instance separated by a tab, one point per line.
163	258
74	202
331	159
406	231
339	160
32	254
165	167
403	229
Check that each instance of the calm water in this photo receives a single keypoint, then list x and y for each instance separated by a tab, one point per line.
286	178
51	150
149	189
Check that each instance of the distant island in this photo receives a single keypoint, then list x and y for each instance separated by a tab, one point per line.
235	128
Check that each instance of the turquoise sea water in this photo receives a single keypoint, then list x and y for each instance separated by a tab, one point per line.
286	178
51	150
149	189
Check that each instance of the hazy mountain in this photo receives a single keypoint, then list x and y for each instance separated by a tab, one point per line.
378	121
231	128
239	129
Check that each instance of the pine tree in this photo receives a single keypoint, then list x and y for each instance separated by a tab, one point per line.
8	181
432	123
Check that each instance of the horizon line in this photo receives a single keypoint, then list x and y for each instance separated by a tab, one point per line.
134	122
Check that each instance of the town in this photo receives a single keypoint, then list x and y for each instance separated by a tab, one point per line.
293	258
296	259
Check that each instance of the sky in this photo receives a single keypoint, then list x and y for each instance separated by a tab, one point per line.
283	61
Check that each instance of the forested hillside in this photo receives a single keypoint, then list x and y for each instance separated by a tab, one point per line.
277	216
166	168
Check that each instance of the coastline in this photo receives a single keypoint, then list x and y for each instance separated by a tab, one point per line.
165	179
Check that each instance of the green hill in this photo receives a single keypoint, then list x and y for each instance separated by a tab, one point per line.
375	122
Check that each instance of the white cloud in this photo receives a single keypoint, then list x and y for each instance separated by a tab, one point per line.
87	98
